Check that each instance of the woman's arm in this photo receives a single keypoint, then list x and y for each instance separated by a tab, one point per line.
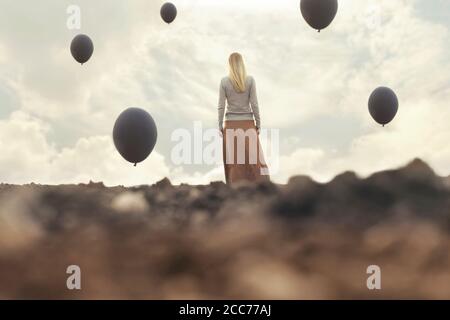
254	104
222	98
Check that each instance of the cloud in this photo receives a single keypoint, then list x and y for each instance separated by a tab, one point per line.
406	53
95	158
27	156
417	133
313	87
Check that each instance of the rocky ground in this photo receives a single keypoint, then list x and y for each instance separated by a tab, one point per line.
303	240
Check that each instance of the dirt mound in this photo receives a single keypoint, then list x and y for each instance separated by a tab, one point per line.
250	241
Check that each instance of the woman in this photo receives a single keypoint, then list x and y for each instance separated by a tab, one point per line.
242	153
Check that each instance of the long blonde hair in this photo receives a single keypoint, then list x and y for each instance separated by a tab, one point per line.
238	74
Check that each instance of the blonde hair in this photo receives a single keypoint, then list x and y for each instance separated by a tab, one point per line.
238	74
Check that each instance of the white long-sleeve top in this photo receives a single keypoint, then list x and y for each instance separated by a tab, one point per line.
240	106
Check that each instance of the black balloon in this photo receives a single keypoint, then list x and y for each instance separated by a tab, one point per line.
135	135
383	105
319	13
82	48
168	12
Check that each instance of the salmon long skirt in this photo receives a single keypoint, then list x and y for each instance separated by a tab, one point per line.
242	153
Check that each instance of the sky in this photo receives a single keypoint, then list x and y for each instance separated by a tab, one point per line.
56	117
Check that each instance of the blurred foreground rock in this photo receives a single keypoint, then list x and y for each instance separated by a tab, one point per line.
303	240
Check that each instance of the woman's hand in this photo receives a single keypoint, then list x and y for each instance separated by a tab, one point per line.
221	132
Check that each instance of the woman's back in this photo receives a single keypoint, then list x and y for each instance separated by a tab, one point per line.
238	102
241	105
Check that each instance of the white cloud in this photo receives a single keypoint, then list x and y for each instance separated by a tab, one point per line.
418	132
27	157
198	178
60	129
410	55
95	158
301	162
